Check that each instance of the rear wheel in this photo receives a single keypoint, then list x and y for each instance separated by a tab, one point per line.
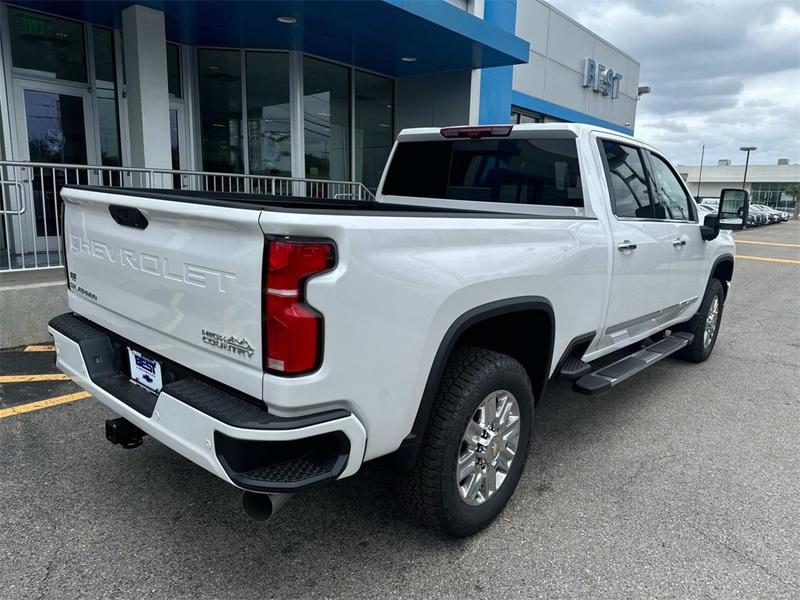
705	324
475	448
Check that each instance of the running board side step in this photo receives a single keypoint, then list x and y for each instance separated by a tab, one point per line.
607	377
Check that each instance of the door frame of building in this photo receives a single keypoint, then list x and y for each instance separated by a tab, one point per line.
25	228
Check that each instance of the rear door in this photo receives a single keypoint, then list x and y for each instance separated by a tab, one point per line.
179	278
642	250
690	253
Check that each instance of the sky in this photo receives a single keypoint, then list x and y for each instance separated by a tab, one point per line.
724	73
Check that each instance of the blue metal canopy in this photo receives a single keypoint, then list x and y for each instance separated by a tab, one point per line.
371	34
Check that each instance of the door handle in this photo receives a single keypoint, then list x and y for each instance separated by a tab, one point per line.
678	243
626	245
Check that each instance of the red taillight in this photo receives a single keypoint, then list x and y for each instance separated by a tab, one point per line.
476	132
292	329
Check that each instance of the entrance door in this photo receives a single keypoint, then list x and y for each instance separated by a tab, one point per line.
55	128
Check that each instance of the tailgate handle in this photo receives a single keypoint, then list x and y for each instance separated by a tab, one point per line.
128	216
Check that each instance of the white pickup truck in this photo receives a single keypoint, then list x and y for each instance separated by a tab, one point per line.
281	342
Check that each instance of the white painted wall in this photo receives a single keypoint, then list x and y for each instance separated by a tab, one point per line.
148	95
554	73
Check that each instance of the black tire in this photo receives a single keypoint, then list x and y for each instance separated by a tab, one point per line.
431	488
699	350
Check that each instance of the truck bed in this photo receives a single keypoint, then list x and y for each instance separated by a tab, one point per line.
281	203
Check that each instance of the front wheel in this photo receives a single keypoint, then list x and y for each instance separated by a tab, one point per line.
476	444
705	324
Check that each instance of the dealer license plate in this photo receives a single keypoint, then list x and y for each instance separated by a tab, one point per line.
145	371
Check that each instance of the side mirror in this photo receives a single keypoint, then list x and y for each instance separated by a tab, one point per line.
734	206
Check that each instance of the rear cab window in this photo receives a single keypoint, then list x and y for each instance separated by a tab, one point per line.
514	171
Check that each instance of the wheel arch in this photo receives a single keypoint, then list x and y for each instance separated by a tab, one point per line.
722	269
501	326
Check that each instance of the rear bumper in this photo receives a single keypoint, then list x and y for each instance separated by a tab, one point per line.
233	438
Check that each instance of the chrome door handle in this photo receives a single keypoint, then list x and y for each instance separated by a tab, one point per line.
678	243
626	245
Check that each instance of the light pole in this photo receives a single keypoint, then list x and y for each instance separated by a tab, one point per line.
700	177
747	149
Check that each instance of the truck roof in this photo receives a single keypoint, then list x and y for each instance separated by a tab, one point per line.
573	129
521	130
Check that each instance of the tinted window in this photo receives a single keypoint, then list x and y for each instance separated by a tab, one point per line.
517	171
268	113
373	128
326	110
48	44
220	87
174	70
669	191
628	181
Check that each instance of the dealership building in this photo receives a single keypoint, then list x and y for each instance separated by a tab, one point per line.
247	96
768	184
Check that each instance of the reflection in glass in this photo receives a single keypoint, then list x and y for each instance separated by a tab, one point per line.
220	81
630	192
174	70
49	44
268	129
56	134
175	147
374	131
105	91
326	88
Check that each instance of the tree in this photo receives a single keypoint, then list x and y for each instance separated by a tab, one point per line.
794	190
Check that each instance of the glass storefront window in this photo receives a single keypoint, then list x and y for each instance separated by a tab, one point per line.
326	108
220	95
268	131
106	94
48	44
374	130
174	70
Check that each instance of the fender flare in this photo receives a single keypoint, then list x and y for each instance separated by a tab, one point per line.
717	262
407	454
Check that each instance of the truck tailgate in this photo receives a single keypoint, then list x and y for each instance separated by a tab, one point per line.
180	279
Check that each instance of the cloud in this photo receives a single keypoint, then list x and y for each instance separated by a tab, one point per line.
722	72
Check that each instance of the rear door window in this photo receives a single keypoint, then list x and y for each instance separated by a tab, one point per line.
515	171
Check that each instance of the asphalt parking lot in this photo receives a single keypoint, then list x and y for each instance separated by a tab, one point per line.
682	483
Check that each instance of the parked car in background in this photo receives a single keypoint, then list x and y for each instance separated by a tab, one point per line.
776	216
759	214
770	215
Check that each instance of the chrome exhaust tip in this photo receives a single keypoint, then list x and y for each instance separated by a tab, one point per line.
262	507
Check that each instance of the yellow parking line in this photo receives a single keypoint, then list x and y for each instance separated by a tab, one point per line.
782	245
764	258
40	348
40	404
32	378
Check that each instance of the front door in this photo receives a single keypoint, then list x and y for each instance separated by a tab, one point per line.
56	129
691	255
641	251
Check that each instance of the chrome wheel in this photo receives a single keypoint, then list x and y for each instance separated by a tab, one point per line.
711	322
488	447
